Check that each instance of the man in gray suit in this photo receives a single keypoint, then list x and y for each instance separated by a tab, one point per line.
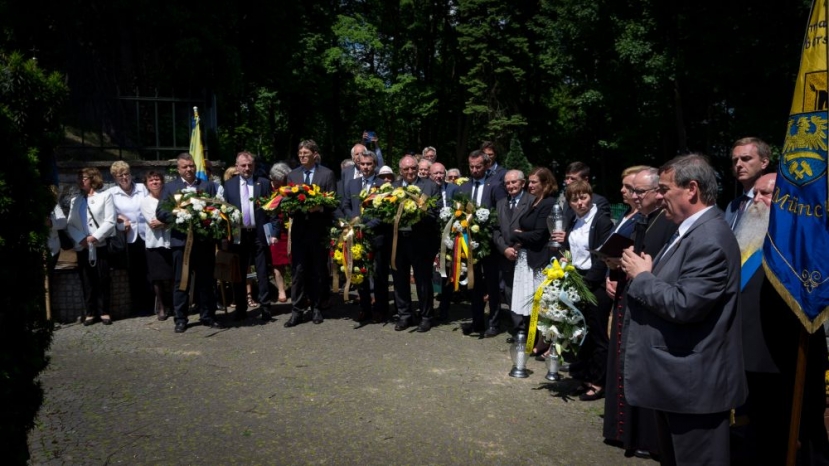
509	210
683	349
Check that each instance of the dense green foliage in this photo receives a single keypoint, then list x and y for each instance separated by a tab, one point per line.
607	82
29	128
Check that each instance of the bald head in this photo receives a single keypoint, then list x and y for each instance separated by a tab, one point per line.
408	168
356	151
764	188
437	172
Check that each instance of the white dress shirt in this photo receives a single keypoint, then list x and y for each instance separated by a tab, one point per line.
580	239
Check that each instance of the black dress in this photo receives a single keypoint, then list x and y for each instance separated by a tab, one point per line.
630	427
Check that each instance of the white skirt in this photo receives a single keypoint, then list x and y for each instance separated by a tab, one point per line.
524	284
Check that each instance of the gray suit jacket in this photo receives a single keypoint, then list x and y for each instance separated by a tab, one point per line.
508	221
683	345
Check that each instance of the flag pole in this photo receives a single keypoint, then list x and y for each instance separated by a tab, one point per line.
797	396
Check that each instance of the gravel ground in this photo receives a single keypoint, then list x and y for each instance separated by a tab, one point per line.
136	393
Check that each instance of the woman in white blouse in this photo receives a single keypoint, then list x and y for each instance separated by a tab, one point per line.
157	240
127	196
91	221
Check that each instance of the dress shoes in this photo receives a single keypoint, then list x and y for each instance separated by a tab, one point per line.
491	332
265	315
296	319
402	325
596	395
469	329
378	317
317	319
644	454
213	324
510	339
181	327
425	326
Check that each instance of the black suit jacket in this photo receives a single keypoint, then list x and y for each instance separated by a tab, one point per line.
261	188
313	225
488	196
450	189
496	180
178	238
534	235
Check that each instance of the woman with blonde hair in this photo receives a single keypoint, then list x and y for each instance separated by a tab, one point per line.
91	221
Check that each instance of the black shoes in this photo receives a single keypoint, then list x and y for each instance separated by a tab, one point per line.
596	395
402	325
295	320
425	326
213	324
469	329
181	327
265	315
317	319
491	332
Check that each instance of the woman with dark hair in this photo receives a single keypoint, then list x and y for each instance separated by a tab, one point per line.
530	240
91	221
157	239
589	231
280	258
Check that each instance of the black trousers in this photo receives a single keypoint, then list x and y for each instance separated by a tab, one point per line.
413	254
381	248
487	282
309	272
251	251
691	439
140	294
202	262
96	281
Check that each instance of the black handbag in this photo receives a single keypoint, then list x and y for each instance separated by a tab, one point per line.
66	241
116	246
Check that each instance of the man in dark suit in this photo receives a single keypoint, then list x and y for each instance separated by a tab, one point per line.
243	191
509	210
579	171
749	159
202	255
416	249
309	239
494	172
682	353
481	190
437	173
380	242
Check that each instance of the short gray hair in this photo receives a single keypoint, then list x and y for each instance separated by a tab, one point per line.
694	167
453	171
517	172
279	171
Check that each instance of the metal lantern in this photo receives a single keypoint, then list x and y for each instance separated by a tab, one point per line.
519	357
553	365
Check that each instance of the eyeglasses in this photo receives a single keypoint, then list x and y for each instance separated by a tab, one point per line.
642	192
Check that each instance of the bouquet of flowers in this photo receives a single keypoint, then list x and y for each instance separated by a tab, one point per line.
461	180
293	198
206	216
351	251
467	232
557	307
399	206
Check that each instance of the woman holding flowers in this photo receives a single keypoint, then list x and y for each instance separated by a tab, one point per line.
590	229
530	240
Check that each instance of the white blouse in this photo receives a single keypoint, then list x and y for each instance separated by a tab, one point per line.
154	238
129	205
580	239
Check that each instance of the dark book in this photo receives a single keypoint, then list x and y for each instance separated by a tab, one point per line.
613	247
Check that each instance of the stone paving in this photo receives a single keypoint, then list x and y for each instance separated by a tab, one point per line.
254	393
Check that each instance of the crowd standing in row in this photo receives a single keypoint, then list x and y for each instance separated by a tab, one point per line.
674	345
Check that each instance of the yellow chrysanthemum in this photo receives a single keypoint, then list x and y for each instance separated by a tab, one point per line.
398	192
357	279
377	201
338	256
295	189
409	205
475	228
464	223
458	213
392	199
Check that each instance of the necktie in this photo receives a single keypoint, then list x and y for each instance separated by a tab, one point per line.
307	176
512	203
666	248
246	203
740	211
443	194
365	184
475	193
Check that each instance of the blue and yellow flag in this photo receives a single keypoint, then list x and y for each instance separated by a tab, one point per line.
796	250
196	149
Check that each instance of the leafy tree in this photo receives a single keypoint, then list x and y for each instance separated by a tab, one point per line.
29	103
515	159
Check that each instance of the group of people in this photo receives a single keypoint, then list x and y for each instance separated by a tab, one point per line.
675	345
